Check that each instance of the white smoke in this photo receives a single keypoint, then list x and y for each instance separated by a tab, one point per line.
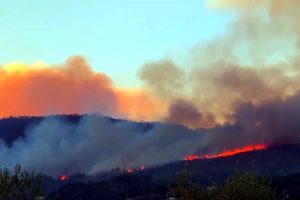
97	144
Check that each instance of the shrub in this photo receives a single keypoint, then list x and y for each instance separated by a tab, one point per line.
239	186
246	186
20	185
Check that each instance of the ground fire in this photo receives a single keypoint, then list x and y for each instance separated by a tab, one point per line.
226	153
131	170
63	178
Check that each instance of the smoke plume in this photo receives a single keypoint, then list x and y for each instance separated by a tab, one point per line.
70	88
256	60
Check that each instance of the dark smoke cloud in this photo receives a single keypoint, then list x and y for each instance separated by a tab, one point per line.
274	123
182	112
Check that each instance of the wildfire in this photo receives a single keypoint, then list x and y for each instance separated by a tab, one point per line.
131	170
192	157
226	153
63	178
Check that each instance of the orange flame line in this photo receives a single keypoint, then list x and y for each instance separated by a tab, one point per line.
226	153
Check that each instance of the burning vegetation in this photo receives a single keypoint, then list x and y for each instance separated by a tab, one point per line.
133	170
226	153
63	178
128	170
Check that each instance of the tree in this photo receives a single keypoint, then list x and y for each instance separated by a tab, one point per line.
184	189
246	186
239	186
20	185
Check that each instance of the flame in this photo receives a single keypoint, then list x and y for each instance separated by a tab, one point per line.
226	153
192	157
132	170
63	178
142	167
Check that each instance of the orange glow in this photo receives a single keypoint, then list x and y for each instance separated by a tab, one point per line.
142	168
39	89
131	170
192	157
226	153
63	178
138	104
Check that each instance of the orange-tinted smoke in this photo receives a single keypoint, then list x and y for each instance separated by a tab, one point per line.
70	88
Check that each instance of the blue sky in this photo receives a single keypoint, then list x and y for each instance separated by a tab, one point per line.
116	36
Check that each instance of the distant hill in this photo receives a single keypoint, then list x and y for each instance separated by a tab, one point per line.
274	161
14	127
280	162
277	160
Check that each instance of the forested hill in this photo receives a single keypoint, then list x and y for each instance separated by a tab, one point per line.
14	127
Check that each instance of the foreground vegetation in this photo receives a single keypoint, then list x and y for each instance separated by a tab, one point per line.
20	185
239	186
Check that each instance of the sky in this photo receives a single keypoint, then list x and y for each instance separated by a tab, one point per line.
117	37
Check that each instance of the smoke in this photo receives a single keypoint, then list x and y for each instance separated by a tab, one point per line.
97	144
256	60
182	112
70	88
273	123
